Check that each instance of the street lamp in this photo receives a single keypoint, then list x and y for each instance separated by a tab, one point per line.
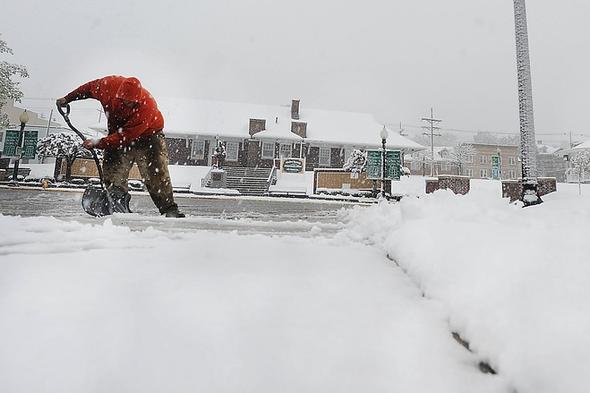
24	119
383	135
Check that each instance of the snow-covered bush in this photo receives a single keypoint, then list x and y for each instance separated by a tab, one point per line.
219	154
357	162
65	146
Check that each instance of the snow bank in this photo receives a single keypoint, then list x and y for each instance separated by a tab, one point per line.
186	176
40	170
515	282
293	183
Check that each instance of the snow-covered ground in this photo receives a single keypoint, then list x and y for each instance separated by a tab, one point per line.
100	306
514	282
103	308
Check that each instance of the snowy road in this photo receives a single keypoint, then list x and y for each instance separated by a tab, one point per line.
243	214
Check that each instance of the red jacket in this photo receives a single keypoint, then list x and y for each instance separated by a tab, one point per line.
125	124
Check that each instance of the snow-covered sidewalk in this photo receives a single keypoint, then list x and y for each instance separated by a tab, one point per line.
102	308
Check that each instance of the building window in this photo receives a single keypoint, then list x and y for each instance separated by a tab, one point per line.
1	136
469	159
268	150
231	151
513	174
483	159
483	173
469	172
257	125
325	153
285	150
198	150
511	161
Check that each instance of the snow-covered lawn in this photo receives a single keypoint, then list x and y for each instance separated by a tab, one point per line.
102	308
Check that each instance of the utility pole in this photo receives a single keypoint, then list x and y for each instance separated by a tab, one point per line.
431	127
49	122
528	147
401	130
100	112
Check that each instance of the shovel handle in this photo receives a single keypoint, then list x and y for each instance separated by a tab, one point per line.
66	116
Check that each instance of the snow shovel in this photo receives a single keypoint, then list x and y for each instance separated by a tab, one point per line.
97	201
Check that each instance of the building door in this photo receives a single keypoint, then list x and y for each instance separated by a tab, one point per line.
253	154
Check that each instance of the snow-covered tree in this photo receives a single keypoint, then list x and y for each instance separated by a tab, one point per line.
65	146
357	162
581	164
9	89
462	154
219	154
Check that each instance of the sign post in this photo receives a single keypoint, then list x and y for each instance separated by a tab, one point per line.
10	143
30	145
375	165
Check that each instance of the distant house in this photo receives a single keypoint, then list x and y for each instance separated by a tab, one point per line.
476	166
551	162
481	167
419	162
258	136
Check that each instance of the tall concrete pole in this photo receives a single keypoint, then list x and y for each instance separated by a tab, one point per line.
528	146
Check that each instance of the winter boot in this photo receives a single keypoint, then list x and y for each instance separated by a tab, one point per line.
174	213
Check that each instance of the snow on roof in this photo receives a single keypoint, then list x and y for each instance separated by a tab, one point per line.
585	145
231	119
546	149
440	152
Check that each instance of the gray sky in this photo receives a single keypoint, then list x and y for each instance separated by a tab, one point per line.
394	59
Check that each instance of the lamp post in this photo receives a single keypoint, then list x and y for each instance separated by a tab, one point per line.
499	163
24	119
383	135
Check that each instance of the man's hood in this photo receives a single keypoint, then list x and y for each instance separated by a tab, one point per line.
130	90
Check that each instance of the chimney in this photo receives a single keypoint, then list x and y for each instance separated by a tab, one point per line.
256	125
295	109
299	128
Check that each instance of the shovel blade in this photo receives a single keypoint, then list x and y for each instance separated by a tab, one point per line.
98	202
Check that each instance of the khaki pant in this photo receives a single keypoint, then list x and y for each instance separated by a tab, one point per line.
151	156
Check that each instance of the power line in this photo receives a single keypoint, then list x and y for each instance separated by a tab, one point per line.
431	120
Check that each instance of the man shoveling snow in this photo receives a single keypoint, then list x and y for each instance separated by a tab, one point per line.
135	135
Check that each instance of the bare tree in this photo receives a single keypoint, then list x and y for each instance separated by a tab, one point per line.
9	89
462	154
581	163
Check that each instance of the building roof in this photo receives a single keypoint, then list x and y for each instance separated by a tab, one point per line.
581	146
231	119
546	149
